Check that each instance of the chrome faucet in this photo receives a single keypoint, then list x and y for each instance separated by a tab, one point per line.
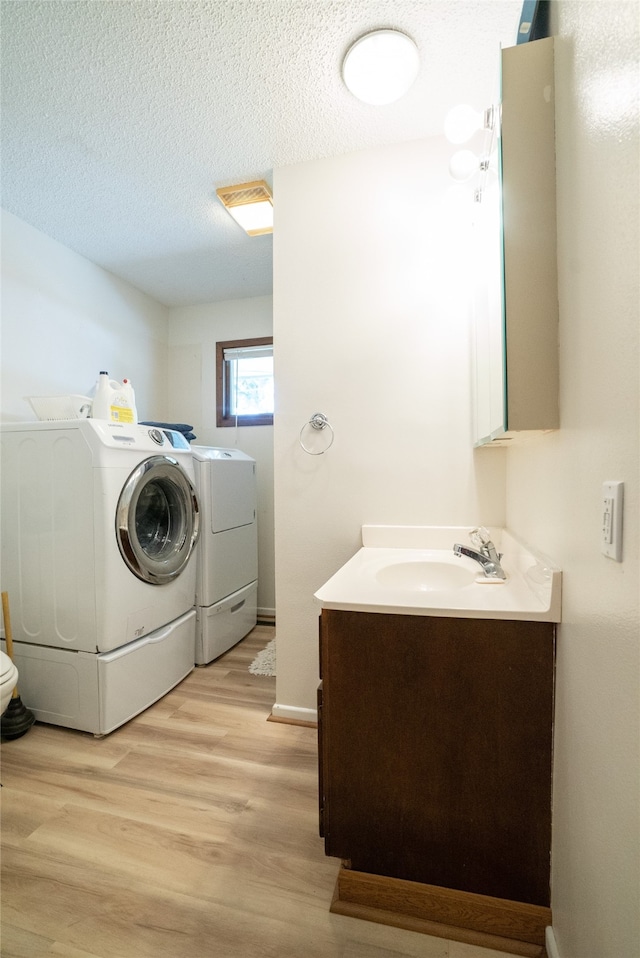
485	554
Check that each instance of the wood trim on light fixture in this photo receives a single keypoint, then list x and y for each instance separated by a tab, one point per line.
245	194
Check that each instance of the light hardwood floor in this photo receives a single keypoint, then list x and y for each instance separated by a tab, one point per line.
191	831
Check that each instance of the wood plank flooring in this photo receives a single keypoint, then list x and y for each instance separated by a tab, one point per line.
190	832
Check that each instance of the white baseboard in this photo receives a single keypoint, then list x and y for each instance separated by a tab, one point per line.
550	943
267	616
289	713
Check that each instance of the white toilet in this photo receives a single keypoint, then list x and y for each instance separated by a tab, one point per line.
8	680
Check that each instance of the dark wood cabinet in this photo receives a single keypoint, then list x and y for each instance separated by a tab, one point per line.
435	742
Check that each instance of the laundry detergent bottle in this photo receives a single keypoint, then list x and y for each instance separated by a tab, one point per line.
131	398
114	401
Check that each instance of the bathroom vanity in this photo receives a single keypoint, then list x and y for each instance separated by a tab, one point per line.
435	746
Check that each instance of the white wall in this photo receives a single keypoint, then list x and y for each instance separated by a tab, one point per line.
554	485
193	333
370	329
64	319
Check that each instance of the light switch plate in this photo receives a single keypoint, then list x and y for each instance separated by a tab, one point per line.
611	527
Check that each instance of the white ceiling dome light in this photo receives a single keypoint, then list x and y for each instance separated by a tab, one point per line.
381	66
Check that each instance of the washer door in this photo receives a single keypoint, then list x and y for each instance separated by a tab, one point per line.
157	520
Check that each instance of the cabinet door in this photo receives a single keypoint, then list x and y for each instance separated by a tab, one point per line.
516	302
321	795
437	750
489	334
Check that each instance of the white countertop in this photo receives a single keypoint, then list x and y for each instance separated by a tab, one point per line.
531	591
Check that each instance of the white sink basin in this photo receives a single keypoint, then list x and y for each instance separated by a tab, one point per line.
412	570
426	576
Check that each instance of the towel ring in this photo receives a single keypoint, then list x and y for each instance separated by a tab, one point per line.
317	421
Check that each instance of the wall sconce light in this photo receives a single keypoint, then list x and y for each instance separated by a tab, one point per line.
380	67
460	125
251	205
463	164
462	122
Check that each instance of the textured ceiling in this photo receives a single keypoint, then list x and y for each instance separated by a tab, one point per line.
120	119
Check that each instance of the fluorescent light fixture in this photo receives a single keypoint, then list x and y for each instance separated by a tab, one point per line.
251	206
380	67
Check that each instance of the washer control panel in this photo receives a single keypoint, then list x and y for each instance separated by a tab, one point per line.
136	435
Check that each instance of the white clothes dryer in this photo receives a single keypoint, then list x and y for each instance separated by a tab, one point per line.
227	553
99	525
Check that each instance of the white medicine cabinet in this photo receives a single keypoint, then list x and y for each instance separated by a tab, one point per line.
515	362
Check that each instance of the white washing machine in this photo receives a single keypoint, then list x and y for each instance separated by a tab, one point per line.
99	525
227	553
